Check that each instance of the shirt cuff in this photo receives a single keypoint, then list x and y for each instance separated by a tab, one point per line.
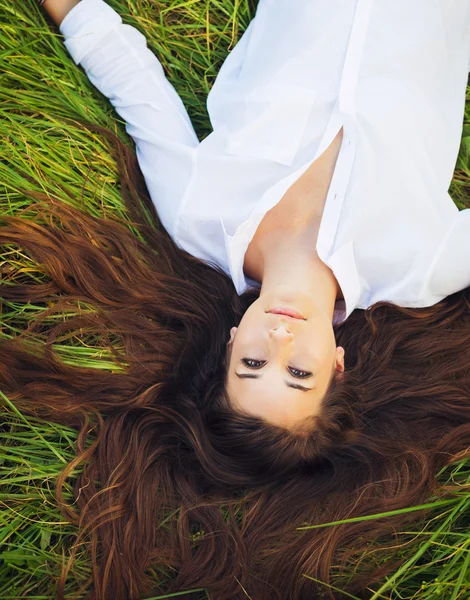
85	25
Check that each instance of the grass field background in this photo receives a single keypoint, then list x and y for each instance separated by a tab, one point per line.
41	92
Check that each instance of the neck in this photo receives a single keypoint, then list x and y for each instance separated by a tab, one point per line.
286	266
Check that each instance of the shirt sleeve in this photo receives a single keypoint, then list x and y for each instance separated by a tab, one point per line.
118	63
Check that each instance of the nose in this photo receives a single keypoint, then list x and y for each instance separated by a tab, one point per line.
280	333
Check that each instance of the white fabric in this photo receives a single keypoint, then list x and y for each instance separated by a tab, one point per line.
393	73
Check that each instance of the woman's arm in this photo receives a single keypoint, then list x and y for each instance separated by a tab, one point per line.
117	61
57	9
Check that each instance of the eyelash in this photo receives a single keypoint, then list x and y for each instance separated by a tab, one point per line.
246	362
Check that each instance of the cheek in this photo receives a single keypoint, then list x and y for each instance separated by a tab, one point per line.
318	343
248	339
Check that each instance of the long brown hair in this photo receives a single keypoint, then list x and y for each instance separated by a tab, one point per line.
175	483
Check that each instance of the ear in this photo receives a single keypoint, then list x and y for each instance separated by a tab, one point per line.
339	359
233	331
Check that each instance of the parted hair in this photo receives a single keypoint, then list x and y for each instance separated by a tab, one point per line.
178	490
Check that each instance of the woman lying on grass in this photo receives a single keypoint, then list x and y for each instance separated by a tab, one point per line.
296	325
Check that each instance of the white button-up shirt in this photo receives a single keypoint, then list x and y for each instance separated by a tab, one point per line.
392	73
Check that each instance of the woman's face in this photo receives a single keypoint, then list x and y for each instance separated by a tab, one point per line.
280	367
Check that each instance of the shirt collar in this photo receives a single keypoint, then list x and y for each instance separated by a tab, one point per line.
236	246
343	265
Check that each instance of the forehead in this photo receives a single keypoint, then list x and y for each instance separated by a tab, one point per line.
270	398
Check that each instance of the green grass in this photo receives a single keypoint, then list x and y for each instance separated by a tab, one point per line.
41	92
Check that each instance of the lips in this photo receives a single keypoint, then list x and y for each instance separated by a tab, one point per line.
287	312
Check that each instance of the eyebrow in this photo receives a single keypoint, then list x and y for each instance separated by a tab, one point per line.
295	386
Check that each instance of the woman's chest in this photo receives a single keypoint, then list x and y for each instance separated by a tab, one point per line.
301	207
